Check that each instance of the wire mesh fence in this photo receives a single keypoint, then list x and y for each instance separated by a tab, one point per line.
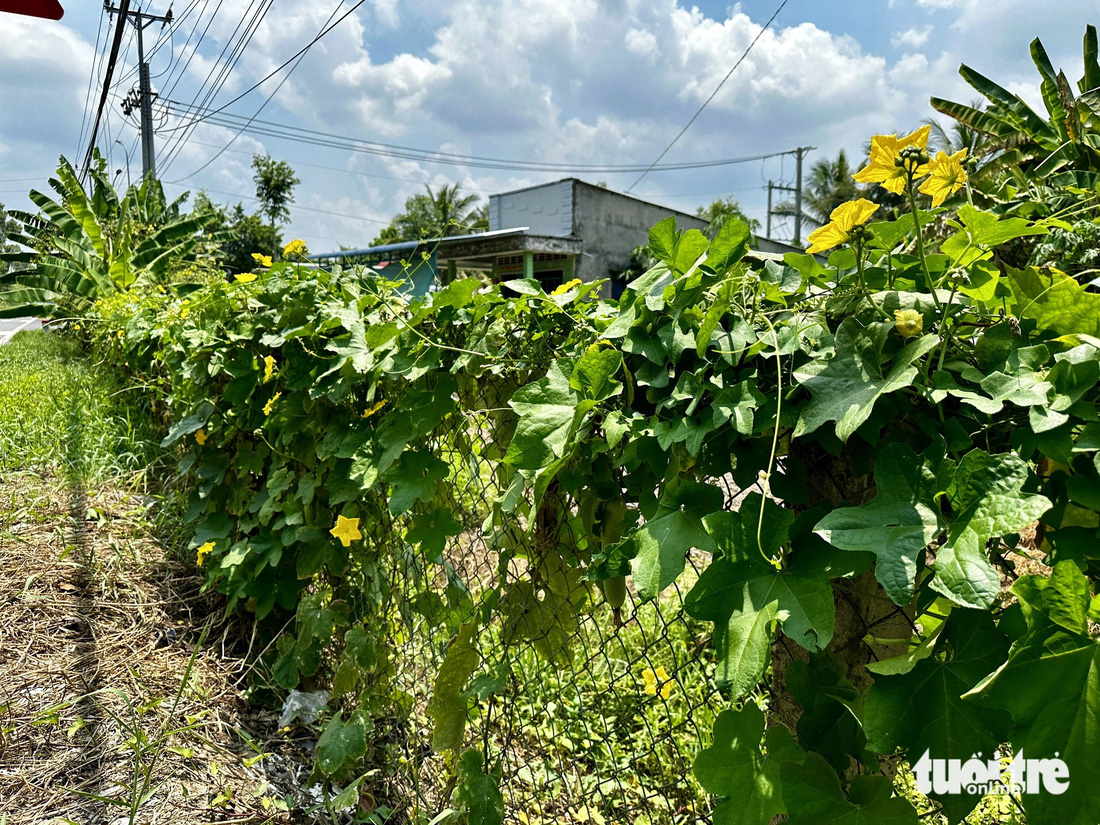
586	713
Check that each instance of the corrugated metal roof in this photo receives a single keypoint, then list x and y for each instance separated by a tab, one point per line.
407	245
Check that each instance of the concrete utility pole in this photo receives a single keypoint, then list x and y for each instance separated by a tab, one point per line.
144	100
800	153
775	187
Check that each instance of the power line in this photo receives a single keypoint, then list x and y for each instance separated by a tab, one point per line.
124	8
219	73
286	63
91	81
712	94
316	137
267	100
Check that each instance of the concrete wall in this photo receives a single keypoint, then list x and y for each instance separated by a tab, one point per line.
546	209
611	225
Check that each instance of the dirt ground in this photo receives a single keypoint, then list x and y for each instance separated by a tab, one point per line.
103	696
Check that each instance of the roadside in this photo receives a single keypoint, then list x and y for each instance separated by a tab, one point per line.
122	686
10	326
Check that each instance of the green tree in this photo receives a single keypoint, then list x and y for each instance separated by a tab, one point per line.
275	182
233	235
436	215
8	227
721	211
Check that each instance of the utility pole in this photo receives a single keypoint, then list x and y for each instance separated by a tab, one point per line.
768	232
800	153
775	187
139	20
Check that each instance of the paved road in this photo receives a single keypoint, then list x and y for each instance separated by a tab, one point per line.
10	326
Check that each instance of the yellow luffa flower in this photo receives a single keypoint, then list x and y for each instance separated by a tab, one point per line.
200	437
201	552
262	260
346	530
657	680
883	165
945	176
568	285
908	322
842	221
270	404
371	410
269	368
245	277
295	247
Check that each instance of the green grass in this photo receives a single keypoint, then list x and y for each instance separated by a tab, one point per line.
58	412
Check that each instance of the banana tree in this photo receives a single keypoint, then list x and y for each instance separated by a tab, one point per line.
83	247
1062	147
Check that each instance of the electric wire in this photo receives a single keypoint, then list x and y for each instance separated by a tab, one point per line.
316	137
712	95
267	100
116	42
93	86
224	67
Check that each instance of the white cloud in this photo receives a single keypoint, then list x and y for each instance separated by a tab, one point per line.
911	38
642	43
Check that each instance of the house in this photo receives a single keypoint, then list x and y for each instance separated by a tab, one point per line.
552	232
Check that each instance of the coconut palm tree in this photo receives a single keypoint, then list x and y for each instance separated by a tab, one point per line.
436	215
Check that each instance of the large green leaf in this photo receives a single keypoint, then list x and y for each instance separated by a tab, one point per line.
734	767
413	479
900	521
846	387
660	547
1054	300
923	710
478	792
448	705
341	743
1050	685
987	501
813	796
745	595
546	412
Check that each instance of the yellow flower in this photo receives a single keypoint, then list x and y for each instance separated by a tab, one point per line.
271	403
185	311
568	285
201	552
367	413
262	260
294	248
245	277
269	368
200	436
659	680
908	322
945	176
884	166
838	230
347	530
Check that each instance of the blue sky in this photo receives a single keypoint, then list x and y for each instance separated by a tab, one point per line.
574	81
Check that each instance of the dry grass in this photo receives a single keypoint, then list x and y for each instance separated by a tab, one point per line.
98	632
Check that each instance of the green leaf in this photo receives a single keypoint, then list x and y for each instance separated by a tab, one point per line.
923	710
900	521
594	373
663	239
448	705
1054	300
745	595
986	229
413	479
738	404
193	423
987	501
734	767
718	308
479	792
1050	685
846	387
431	531
728	247
341	744
812	793
830	722
660	547
546	411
